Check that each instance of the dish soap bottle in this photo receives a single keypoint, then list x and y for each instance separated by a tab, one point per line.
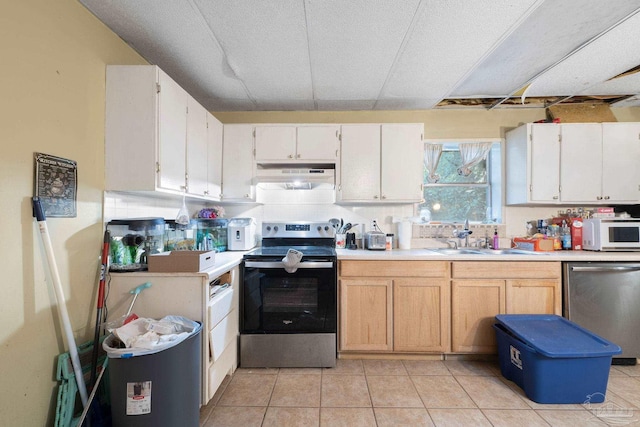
496	239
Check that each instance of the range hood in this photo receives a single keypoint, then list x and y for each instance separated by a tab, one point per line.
295	177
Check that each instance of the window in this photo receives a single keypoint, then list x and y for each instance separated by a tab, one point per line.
453	197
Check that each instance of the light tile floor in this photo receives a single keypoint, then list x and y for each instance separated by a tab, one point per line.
408	393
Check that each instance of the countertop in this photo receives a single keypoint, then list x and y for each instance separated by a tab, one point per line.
224	261
426	255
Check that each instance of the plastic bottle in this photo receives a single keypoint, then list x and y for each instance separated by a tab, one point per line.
496	239
565	236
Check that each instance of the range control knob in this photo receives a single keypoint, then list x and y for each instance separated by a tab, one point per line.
268	228
326	228
275	228
319	228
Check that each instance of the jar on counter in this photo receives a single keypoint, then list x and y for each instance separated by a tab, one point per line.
389	242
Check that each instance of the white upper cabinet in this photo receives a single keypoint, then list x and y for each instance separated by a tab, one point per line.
533	164
155	134
238	166
581	162
318	143
145	130
586	163
620	158
296	143
359	163
214	157
402	162
381	163
197	148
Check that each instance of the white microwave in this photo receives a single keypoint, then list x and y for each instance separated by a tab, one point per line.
611	234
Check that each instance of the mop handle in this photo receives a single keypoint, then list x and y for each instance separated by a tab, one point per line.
136	291
38	212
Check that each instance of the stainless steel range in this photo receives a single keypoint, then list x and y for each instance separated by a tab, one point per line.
289	310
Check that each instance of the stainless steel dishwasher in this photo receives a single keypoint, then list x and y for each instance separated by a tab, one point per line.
604	297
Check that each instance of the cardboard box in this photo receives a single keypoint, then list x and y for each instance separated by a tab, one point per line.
531	244
181	261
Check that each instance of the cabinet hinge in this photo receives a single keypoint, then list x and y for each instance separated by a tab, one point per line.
337	152
559	138
340	137
531	137
157	87
530	188
254	133
157	167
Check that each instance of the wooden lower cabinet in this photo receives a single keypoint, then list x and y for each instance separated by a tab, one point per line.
474	303
421	314
366	314
480	290
399	306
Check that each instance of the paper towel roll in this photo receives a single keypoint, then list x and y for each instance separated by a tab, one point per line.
404	234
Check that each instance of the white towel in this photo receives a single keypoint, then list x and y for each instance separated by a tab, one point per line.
291	260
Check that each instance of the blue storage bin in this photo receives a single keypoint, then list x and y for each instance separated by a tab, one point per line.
552	359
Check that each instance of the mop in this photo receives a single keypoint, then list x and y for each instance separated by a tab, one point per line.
38	213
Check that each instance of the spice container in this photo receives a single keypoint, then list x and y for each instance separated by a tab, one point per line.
211	234
133	240
389	242
179	237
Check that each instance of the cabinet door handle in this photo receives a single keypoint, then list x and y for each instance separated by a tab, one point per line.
297	156
555	197
384	197
376	196
290	156
599	198
606	197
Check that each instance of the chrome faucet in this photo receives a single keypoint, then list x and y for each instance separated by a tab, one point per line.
464	233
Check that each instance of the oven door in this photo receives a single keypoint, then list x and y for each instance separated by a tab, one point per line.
276	302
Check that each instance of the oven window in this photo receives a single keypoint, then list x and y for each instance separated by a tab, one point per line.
275	301
624	234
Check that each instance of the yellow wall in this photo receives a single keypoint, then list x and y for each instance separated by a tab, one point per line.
52	89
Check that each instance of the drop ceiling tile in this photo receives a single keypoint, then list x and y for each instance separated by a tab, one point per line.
176	38
449	38
626	85
265	44
629	102
551	31
353	44
609	55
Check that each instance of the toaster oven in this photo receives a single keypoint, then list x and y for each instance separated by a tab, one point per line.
375	241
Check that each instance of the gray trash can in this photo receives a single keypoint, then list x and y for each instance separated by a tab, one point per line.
156	389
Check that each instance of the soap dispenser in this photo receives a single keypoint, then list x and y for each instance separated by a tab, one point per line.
496	239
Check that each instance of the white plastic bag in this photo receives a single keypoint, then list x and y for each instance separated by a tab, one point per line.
140	340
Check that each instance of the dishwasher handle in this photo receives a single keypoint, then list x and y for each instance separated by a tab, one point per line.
606	269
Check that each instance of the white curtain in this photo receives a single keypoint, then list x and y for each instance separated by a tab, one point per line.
432	154
471	154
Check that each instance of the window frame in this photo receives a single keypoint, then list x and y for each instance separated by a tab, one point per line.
494	176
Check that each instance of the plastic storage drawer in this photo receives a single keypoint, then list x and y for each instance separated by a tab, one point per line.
552	359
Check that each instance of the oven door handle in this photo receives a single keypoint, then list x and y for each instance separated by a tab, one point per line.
280	264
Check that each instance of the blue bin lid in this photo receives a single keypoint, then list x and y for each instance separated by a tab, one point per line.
555	336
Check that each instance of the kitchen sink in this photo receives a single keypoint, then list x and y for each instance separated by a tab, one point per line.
450	251
469	251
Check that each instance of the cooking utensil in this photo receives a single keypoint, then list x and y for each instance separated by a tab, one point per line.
335	223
